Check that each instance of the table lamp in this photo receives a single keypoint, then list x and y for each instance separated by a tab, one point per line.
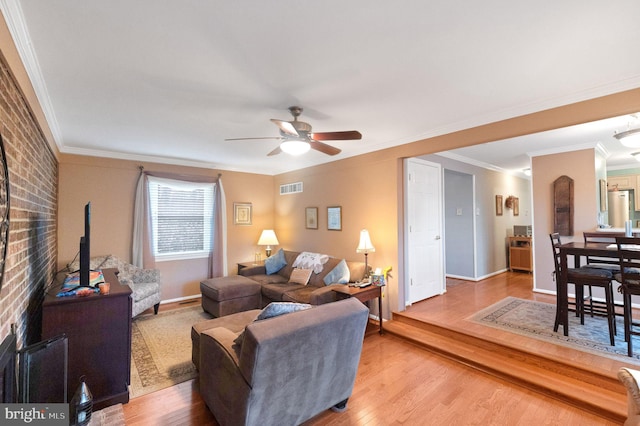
365	247
268	238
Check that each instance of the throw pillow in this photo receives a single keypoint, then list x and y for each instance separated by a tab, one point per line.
274	263
340	274
275	309
300	276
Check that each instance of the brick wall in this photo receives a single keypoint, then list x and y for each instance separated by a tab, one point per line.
33	178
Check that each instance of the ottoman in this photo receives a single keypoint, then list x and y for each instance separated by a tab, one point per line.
227	295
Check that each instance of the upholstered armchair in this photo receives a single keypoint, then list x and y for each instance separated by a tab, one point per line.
630	379
145	283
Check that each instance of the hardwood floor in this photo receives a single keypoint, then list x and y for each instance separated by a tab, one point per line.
401	383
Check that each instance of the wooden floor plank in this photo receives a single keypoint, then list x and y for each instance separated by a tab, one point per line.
401	383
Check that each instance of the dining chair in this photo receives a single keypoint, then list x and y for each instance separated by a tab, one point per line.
629	278
589	277
609	263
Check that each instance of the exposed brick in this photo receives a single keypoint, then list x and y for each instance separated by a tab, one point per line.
33	178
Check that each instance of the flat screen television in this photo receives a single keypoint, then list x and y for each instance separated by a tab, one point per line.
85	248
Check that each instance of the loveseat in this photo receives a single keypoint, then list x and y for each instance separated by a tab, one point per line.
283	370
278	287
144	283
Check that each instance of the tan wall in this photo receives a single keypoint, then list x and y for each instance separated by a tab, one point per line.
371	185
581	167
368	187
110	186
361	186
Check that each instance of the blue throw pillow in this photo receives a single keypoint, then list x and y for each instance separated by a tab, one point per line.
340	274
274	263
275	309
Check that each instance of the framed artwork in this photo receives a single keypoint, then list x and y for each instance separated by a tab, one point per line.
334	218
603	195
242	213
516	206
498	205
311	217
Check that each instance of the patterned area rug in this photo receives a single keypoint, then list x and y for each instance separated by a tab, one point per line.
161	349
536	319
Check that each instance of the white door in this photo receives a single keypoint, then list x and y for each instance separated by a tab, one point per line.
423	227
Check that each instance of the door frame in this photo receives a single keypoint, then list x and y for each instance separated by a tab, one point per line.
405	225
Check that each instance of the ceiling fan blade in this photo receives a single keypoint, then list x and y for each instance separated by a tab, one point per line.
248	139
286	127
275	152
336	136
324	148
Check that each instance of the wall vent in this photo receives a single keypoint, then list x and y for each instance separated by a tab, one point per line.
290	188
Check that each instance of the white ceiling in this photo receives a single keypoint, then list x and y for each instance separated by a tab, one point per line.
169	81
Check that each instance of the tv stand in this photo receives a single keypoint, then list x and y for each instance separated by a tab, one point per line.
98	327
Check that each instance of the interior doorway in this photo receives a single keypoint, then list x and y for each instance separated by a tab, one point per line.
459	224
424	266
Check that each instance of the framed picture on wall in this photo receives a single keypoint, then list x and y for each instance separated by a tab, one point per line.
311	217
498	205
242	213
516	206
334	218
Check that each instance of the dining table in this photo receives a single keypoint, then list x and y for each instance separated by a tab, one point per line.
577	249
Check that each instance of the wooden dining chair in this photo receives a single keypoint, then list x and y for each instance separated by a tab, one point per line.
609	263
582	277
629	278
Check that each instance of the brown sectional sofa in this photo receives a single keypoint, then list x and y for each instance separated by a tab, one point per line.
277	288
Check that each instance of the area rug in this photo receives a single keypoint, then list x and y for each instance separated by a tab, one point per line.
161	349
536	319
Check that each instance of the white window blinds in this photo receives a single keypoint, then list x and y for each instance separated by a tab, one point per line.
182	218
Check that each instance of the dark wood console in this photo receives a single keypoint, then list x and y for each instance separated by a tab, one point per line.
99	331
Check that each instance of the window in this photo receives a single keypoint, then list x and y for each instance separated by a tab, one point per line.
181	218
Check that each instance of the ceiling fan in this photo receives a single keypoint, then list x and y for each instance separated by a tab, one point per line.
297	138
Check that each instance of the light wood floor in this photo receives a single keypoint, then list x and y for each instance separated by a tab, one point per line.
399	383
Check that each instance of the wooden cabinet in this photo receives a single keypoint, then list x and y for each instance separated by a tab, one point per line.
621	182
99	331
520	254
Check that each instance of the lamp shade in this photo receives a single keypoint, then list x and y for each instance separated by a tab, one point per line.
365	246
268	238
630	138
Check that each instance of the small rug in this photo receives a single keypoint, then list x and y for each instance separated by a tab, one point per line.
161	349
536	319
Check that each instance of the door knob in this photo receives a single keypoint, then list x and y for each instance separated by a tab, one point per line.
437	237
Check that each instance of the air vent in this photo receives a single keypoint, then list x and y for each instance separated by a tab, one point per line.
290	188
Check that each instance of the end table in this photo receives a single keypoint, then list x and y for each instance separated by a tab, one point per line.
362	294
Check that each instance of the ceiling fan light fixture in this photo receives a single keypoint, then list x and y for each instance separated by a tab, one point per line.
295	146
629	138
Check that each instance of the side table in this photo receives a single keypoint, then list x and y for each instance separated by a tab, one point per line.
243	265
362	294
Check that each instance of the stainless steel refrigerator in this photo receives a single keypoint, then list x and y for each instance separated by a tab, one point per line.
618	208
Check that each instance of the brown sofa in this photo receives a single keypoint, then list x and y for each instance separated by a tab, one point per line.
277	288
286	369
